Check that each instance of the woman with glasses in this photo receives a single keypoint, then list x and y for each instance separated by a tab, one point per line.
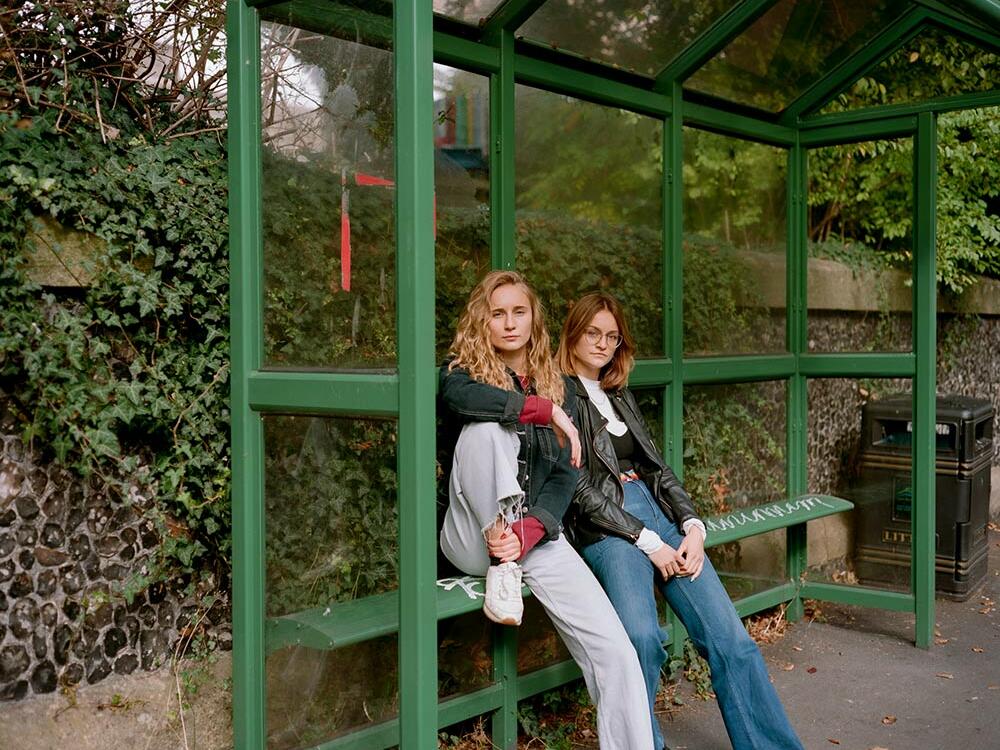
636	528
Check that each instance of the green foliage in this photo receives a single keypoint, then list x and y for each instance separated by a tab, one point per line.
734	445
863	192
124	380
695	670
332	515
556	717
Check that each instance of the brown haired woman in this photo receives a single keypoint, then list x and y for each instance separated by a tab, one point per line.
511	481
631	520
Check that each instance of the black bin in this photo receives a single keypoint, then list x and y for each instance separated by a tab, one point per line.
883	494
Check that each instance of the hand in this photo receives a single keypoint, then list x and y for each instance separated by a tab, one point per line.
692	553
504	546
566	430
667	560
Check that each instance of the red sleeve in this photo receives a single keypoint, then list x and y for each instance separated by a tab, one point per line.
530	531
537	410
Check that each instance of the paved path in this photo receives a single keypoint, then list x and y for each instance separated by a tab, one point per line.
859	683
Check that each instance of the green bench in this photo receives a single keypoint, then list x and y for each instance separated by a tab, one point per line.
346	623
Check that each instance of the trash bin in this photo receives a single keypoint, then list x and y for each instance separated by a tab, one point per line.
883	492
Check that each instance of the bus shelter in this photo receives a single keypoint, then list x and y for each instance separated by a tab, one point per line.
383	155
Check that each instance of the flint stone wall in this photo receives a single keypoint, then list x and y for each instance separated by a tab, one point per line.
68	552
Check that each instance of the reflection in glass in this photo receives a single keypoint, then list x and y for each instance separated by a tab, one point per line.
633	34
328	194
650	402
930	65
734	458
465	654
734	245
860	256
842	463
469	11
462	192
589	207
538	643
314	696
331	505
791	47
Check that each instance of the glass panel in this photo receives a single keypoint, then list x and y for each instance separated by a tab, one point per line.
870	545
650	402
791	47
538	643
469	11
327	211
331	504
734	458
734	245
589	207
633	34
860	296
465	654
331	517
310	702
930	65
462	189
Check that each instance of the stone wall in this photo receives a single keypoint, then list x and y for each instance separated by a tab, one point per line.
69	553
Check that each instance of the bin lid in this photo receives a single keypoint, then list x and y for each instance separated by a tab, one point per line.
948	406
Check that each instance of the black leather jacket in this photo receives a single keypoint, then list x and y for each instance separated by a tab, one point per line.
597	509
549	478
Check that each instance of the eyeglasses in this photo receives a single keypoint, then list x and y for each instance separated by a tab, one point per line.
593	337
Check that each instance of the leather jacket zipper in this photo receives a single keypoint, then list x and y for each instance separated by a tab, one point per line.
621	530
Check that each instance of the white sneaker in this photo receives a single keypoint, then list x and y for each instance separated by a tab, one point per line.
503	602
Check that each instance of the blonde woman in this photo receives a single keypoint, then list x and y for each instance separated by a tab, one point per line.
512	478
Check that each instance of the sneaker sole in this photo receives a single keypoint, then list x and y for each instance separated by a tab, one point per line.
508	620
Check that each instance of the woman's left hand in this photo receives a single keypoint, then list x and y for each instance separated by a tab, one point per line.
692	549
506	547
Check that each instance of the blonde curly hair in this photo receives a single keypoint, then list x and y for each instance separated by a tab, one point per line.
473	352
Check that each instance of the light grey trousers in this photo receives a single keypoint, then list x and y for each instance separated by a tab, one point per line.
483	484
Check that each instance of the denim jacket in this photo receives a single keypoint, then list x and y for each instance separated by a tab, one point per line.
548	479
597	508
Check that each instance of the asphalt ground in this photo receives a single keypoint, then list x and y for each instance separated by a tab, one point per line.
851	678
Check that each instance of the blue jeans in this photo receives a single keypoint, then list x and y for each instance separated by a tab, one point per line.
751	709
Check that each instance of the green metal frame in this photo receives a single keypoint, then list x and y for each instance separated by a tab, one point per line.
418	39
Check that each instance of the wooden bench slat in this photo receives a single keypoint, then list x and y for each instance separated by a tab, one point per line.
345	623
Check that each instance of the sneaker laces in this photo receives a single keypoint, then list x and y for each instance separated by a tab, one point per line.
465	583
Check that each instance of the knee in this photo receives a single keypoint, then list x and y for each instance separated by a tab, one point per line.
477	435
647	640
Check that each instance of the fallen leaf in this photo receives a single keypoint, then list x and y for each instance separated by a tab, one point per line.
788	667
993	687
889	719
977	649
941	641
914	56
937	632
946	675
811	670
878	747
832	741
796	648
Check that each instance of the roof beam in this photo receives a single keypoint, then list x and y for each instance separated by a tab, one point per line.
508	16
849	70
969	31
987	11
713	39
881	112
